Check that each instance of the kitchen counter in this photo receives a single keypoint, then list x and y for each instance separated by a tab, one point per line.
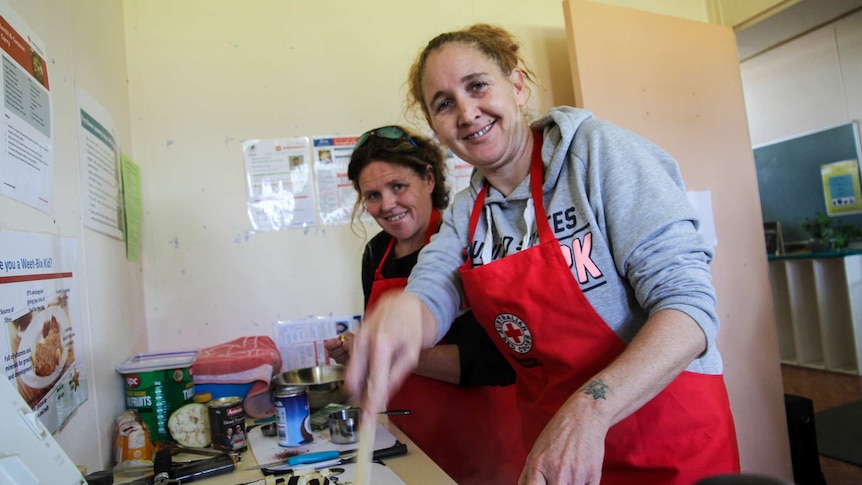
810	255
414	468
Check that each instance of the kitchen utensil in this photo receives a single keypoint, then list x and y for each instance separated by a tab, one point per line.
313	457
346	456
162	467
344	424
367	430
200	469
390	412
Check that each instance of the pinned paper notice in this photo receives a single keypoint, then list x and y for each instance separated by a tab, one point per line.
841	187
702	202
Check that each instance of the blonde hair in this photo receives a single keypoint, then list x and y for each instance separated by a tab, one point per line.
498	44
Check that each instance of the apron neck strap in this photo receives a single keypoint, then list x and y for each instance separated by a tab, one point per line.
538	205
433	225
536	181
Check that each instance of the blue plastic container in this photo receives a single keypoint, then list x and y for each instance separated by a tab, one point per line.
224	390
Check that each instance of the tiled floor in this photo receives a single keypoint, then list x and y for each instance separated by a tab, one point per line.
827	390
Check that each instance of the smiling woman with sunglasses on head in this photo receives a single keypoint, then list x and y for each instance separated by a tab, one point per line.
460	416
577	250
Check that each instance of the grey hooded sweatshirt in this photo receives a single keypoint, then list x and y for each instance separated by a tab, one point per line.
617	202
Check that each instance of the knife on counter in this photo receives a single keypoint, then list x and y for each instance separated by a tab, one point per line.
162	467
346	456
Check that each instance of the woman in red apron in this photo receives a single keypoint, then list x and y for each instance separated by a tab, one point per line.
583	264
683	434
467	430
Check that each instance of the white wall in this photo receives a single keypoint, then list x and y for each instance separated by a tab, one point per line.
808	84
676	8
85	49
204	76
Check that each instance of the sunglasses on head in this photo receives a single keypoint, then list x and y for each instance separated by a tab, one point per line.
388	132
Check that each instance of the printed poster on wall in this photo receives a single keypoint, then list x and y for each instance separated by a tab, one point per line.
841	187
40	309
100	168
278	175
26	142
336	196
702	202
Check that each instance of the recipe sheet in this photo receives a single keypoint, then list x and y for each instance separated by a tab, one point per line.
278	176
27	141
300	342
39	305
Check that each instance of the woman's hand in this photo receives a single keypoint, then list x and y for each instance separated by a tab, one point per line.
571	448
386	349
339	348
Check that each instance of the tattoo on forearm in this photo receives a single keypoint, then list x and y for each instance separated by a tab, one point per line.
596	389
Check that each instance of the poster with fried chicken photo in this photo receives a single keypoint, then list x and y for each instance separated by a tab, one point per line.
40	311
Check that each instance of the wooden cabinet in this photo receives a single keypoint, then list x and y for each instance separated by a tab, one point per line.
818	310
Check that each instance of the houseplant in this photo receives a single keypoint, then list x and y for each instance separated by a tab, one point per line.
829	234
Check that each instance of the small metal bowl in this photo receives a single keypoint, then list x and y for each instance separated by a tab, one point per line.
344	426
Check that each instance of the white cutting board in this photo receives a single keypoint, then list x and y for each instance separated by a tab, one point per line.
267	450
380	475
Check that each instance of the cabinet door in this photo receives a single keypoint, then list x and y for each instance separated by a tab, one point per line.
677	82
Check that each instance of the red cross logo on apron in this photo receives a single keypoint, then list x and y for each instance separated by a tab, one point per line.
514	332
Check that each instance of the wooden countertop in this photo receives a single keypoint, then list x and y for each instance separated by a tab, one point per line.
414	468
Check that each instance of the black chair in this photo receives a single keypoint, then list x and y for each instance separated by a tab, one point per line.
802	431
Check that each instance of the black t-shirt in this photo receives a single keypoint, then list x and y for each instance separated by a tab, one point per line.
481	362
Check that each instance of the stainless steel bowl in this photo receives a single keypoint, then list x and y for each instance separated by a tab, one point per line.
344	426
324	383
321	374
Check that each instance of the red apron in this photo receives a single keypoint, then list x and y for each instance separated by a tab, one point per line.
684	434
470	432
